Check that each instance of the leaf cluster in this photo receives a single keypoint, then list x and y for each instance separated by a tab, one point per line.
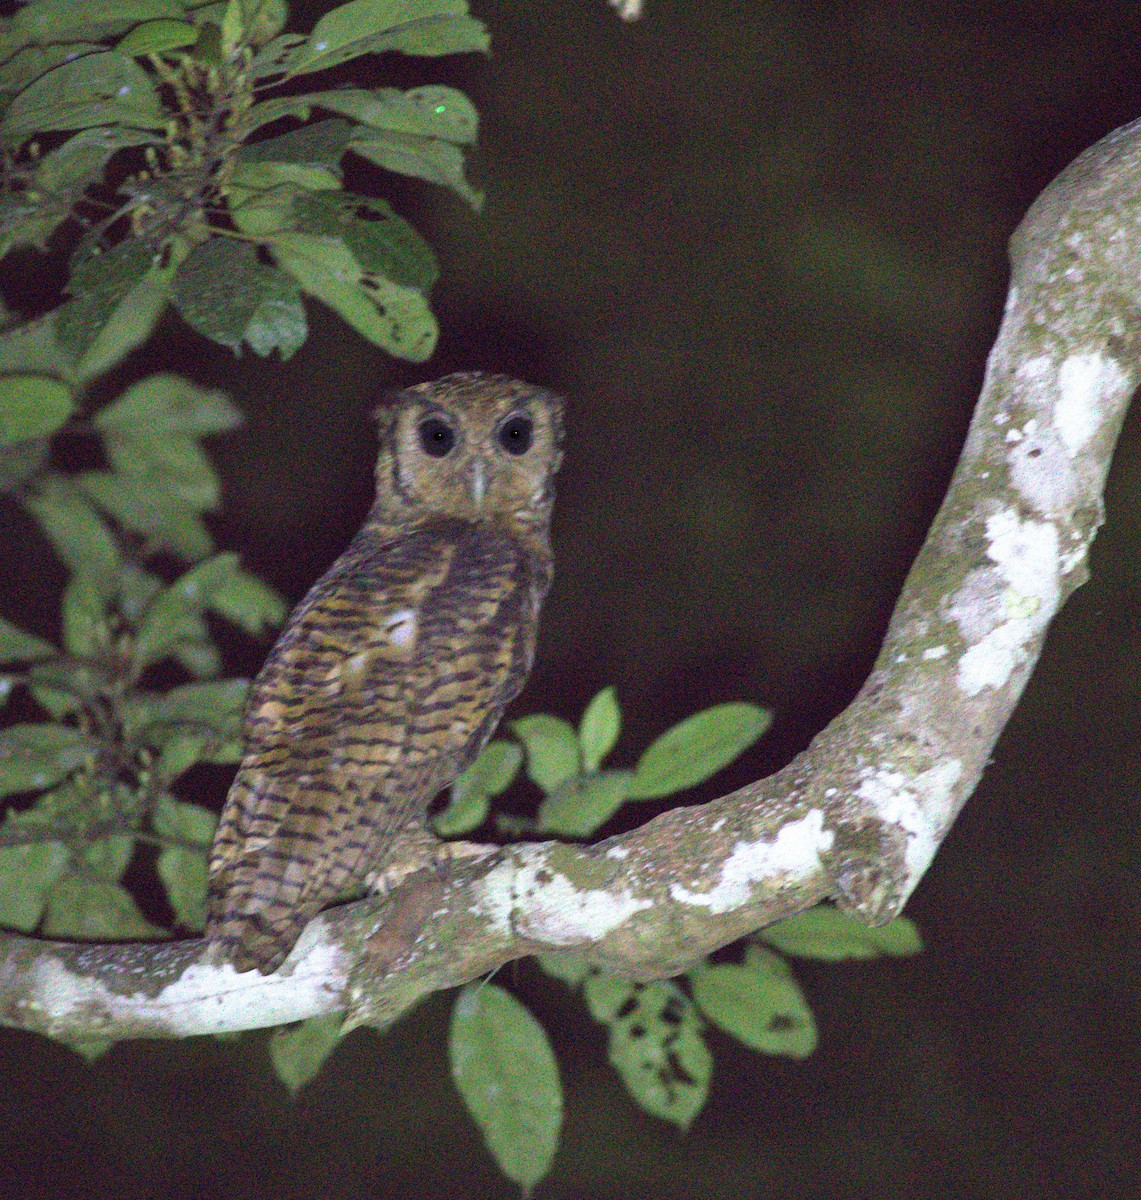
94	778
167	143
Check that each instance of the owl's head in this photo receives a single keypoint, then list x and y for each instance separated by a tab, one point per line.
470	445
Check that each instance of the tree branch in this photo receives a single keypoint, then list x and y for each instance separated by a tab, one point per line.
858	816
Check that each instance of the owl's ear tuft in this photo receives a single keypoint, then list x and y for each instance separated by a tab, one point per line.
385	416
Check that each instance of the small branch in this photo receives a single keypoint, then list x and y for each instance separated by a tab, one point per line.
858	816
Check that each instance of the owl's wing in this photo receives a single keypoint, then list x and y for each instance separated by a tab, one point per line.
385	684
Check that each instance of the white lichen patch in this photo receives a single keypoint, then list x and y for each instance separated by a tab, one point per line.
1089	386
933	653
922	806
205	998
794	852
1002	609
529	897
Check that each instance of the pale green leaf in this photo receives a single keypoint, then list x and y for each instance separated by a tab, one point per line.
428	27
279	322
697	748
657	1047
154	37
83	909
393	317
299	1051
129	323
89	1049
174	463
26	875
149	506
431	159
318	144
432	112
565	965
95	89
79	162
582	803
606	995
826	933
211	710
505	1070
168	404
552	749
270	60
758	1002
182	869
491	773
30	62
85	630
32	406
108	857
47	21
80	536
18	646
379	240
34	349
599	728
181	752
60	685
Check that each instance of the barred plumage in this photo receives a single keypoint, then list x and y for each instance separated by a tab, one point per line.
393	671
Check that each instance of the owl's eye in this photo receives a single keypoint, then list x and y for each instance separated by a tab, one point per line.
515	434
436	436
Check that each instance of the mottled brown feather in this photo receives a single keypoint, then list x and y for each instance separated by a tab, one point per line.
387	681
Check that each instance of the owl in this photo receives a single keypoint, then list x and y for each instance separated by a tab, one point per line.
391	674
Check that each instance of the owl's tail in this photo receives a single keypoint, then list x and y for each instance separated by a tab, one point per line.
258	940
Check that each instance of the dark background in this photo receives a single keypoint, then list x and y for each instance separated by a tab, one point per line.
761	249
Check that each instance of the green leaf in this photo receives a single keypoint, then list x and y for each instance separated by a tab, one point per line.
172	462
168	404
35	757
599	728
565	965
657	1048
697	748
320	143
395	318
80	536
71	168
221	290
491	773
108	857
183	751
379	240
429	27
758	1002
33	349
506	1073
279	321
85	630
32	406
47	21
552	749
212	710
606	995
827	933
154	37
118	297
432	112
18	646
299	1051
270	60
60	685
29	63
219	584
95	89
431	159
26	876
89	1049
148	506
182	869
582	803
95	910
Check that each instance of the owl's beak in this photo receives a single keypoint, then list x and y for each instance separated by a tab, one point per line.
478	483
